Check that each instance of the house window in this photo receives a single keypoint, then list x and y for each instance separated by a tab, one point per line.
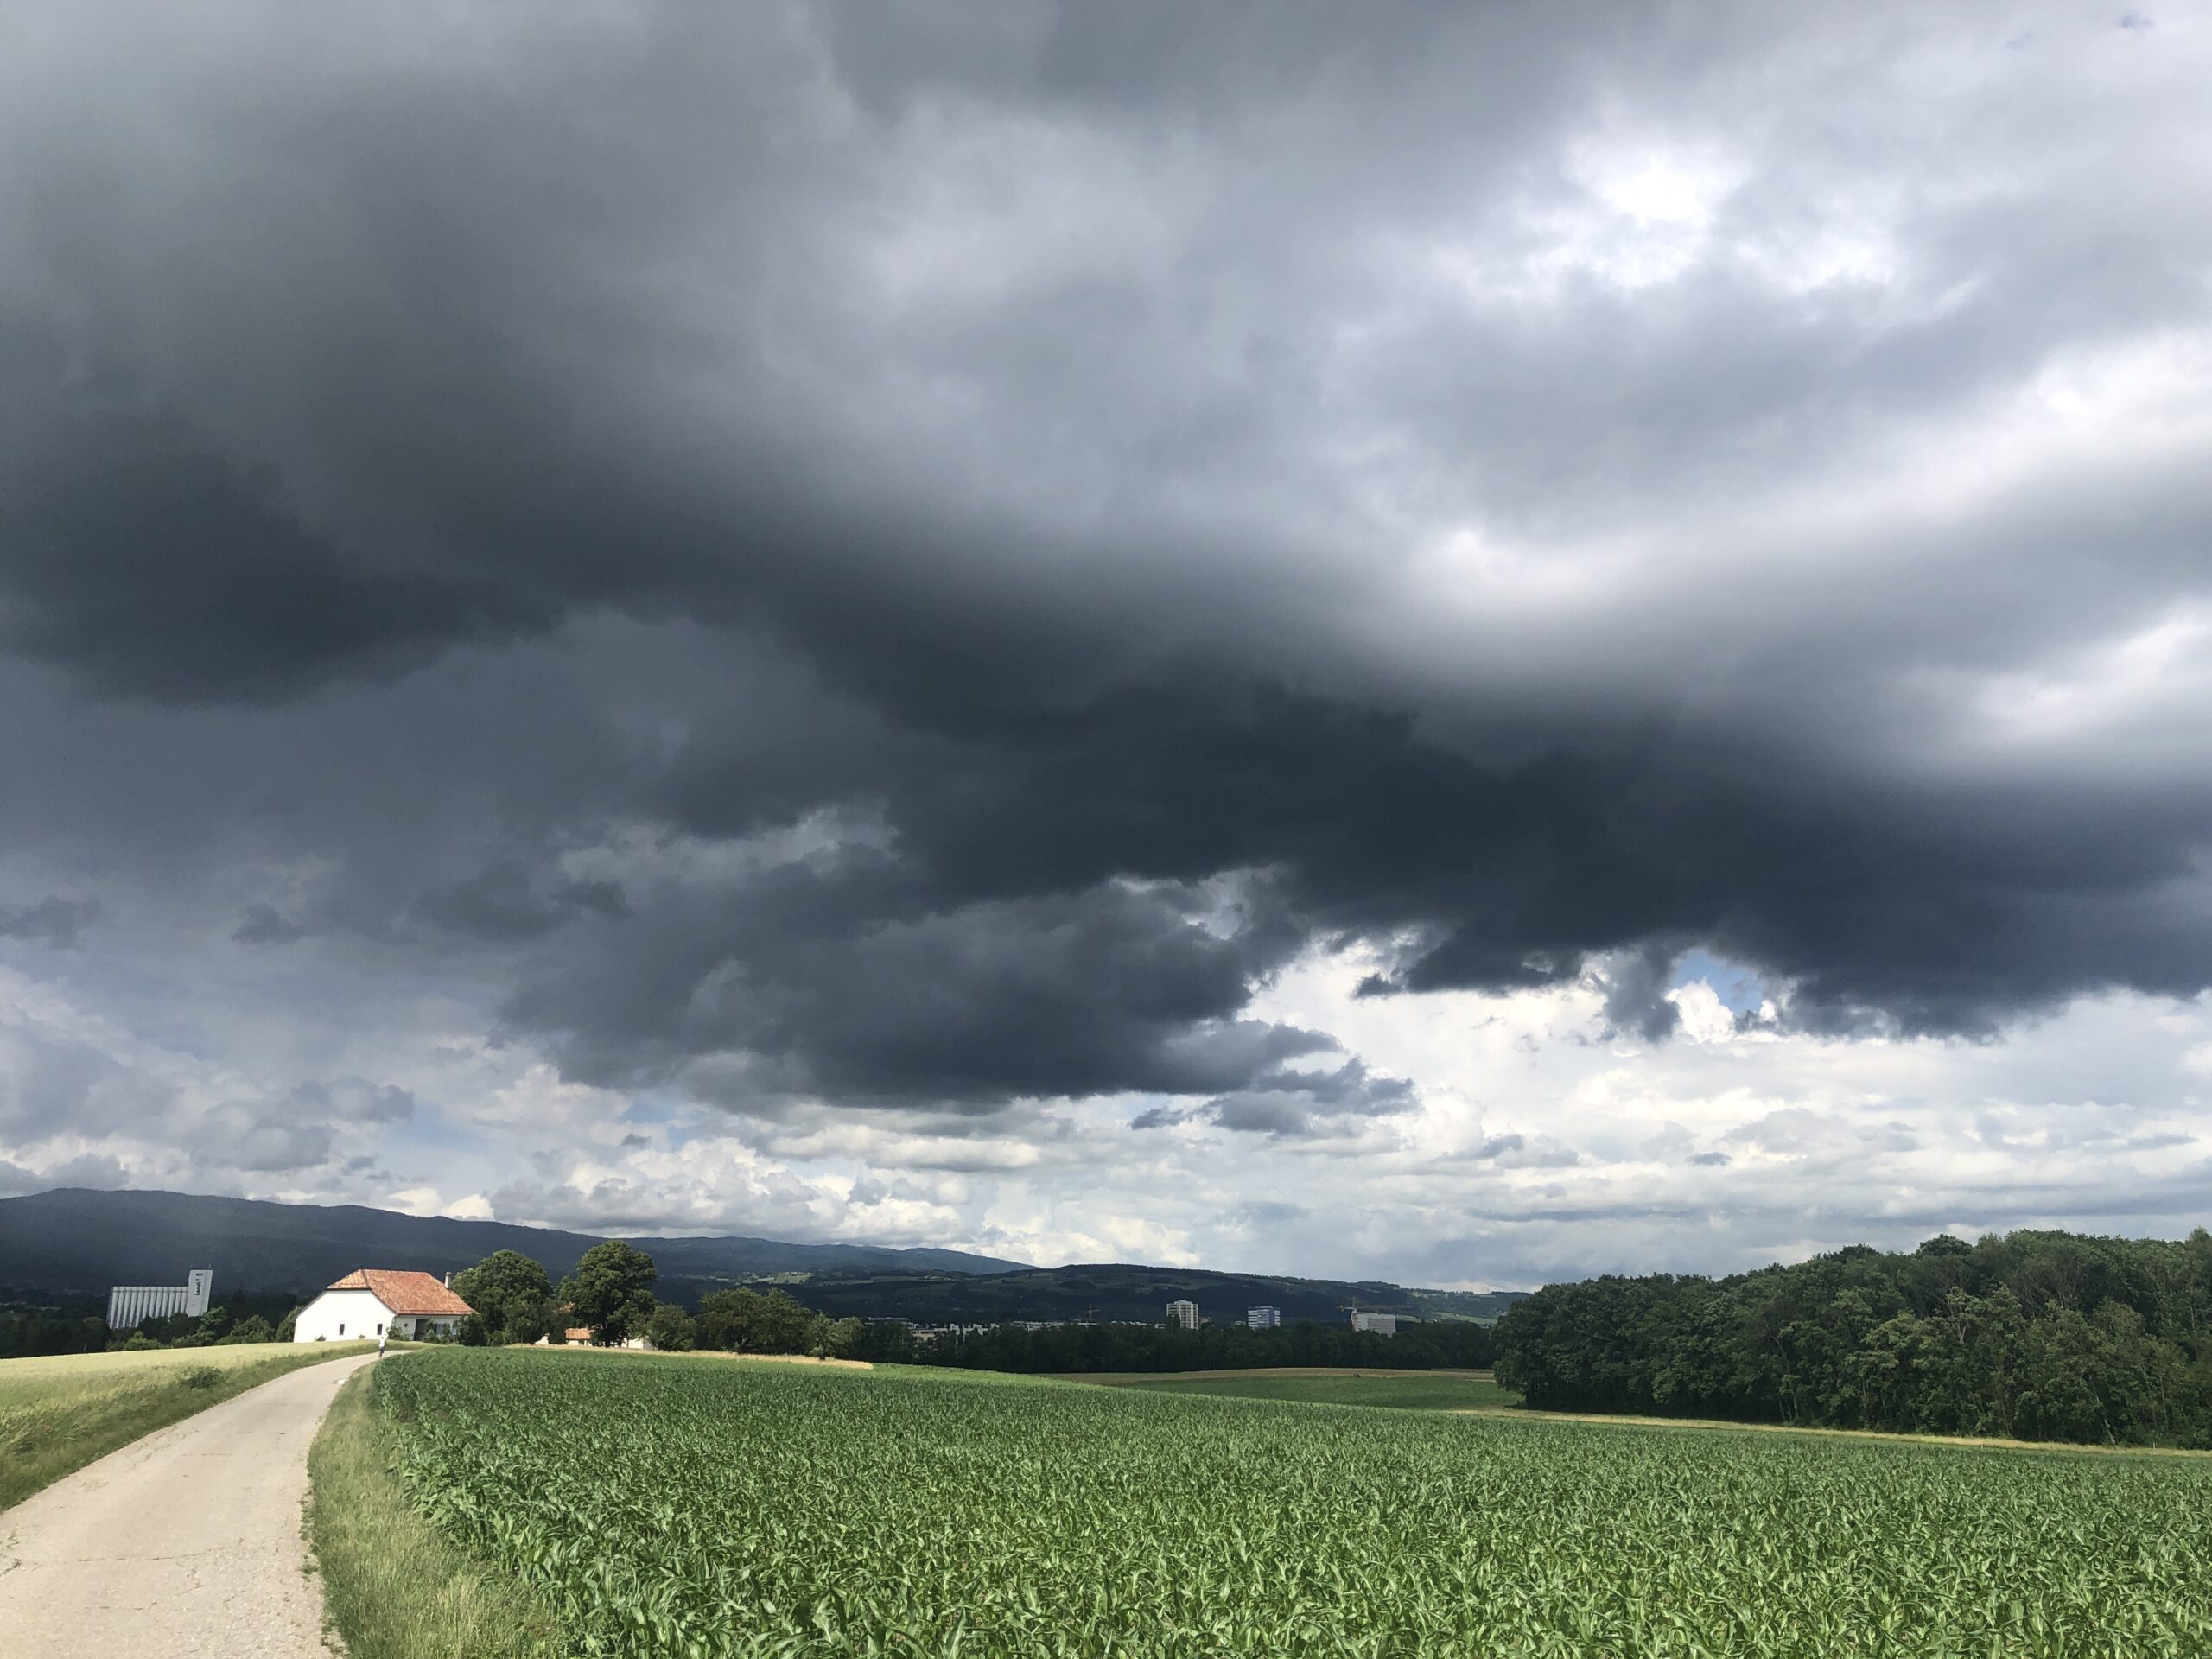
379	1328
341	1330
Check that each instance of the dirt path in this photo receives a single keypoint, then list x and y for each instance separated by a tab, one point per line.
183	1544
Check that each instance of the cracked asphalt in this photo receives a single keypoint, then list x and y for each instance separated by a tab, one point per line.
185	1543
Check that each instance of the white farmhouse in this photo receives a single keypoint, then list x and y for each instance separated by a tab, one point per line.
371	1302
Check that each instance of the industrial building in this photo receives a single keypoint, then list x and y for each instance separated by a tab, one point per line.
130	1306
1263	1319
1382	1324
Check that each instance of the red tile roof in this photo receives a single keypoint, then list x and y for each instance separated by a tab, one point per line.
413	1294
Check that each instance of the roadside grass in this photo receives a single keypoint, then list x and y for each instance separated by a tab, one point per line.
1332	1386
60	1413
391	1587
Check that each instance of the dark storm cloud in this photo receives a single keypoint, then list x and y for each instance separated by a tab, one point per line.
151	565
851	979
55	922
500	904
1066	406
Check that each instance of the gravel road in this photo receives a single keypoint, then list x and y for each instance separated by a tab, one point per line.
183	1544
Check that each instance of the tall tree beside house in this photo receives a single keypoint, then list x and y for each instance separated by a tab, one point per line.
502	1287
612	1292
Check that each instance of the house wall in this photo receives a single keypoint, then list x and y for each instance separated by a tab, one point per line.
342	1316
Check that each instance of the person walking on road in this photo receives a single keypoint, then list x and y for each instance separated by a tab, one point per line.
383	1337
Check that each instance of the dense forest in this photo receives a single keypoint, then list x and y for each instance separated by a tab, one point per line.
2039	1336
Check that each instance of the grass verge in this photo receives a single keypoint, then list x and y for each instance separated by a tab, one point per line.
57	1414
391	1587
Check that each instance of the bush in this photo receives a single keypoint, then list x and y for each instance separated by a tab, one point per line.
201	1377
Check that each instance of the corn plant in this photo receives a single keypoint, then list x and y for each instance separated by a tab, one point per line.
716	1510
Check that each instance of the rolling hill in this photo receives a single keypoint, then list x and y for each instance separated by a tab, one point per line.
73	1242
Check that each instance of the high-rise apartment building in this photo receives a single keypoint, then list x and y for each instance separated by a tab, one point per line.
1185	1315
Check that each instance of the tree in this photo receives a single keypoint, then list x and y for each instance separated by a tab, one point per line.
728	1319
786	1327
671	1330
612	1291
254	1329
211	1328
526	1323
502	1285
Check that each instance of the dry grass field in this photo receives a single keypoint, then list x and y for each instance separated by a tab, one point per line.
60	1413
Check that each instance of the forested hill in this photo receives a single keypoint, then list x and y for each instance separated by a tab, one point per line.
76	1242
2028	1334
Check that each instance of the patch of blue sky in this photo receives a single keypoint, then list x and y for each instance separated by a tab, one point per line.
678	1120
1739	989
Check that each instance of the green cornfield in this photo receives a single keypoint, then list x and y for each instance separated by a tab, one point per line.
698	1508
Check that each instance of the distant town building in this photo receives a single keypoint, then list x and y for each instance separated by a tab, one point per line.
1382	1324
1263	1319
1185	1315
130	1306
373	1302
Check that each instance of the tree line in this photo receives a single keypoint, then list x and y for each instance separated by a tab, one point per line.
2037	1336
27	1332
611	1295
1442	1344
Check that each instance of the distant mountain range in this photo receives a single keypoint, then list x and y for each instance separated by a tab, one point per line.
72	1244
76	1242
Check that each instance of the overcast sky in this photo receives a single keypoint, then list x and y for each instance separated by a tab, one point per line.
1465	643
